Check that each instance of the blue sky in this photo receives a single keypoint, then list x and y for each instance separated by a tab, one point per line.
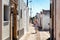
38	5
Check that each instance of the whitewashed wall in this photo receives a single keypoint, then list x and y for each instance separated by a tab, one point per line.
25	16
5	2
22	8
5	28
45	21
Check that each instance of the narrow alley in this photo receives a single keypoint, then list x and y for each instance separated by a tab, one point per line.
29	20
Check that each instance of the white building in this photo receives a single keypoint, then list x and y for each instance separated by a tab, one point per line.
22	19
5	19
45	19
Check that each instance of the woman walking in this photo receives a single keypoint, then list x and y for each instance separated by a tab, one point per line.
36	25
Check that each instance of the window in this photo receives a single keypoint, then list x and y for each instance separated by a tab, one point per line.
21	13
6	13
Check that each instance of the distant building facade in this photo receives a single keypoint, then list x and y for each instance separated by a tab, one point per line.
45	19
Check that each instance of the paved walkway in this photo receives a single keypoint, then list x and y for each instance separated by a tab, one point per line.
30	35
40	35
44	35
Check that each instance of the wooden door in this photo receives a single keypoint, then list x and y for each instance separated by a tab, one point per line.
13	20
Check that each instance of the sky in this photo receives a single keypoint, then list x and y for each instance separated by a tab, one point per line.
38	5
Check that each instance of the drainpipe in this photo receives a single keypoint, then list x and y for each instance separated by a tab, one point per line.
27	3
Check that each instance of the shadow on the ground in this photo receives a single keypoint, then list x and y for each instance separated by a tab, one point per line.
48	39
40	29
33	33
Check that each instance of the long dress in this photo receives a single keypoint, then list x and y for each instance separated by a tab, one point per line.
36	26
